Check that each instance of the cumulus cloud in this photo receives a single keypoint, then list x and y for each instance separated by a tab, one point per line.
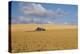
39	10
37	13
33	9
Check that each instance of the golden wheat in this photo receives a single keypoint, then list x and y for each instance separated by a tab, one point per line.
56	37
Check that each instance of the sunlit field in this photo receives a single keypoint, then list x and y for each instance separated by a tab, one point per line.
56	37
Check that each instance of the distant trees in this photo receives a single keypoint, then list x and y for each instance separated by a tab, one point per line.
40	29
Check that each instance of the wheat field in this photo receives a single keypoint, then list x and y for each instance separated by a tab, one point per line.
24	38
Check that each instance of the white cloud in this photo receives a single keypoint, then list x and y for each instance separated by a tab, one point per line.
24	18
31	10
50	22
36	9
65	22
39	10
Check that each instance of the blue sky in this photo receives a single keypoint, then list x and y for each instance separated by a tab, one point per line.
43	13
